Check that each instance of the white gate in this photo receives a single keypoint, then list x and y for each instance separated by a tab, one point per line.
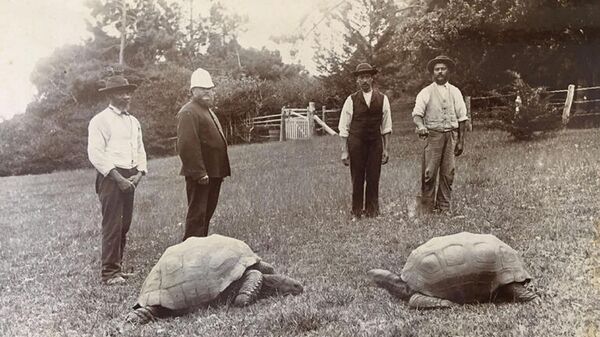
297	128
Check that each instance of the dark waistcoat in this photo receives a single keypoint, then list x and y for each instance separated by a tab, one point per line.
366	121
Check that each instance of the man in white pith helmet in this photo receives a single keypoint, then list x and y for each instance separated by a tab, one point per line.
202	147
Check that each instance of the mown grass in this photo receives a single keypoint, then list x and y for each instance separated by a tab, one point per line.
290	202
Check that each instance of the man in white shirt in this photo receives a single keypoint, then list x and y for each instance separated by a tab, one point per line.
440	115
365	125
116	150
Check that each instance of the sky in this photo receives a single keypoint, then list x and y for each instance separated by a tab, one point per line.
32	29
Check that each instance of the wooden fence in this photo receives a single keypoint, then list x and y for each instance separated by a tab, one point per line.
297	123
567	102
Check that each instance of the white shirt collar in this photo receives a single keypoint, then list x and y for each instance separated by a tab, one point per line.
445	85
117	110
367	96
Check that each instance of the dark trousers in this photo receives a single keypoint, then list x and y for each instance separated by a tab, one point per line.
117	212
365	169
438	170
202	201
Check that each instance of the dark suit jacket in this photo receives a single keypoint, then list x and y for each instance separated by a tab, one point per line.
200	144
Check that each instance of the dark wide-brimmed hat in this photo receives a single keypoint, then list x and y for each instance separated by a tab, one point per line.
117	83
365	68
441	59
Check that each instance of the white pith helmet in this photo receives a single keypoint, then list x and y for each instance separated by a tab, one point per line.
201	78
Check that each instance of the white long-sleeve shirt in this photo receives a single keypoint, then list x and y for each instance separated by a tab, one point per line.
115	140
348	111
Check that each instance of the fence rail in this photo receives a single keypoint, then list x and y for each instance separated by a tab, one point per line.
567	102
265	117
294	123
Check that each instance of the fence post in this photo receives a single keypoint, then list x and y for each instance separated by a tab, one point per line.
310	112
470	120
324	115
282	125
568	103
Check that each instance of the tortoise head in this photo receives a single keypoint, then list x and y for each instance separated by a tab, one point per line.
282	285
390	282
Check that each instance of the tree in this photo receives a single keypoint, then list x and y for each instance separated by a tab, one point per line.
367	28
551	43
152	29
159	57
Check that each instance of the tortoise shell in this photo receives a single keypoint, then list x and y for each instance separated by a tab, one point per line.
463	267
196	271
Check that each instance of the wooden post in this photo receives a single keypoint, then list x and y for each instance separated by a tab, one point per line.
310	112
123	31
282	125
469	115
324	115
568	103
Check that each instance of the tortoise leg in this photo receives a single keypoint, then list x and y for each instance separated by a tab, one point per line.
251	285
517	292
264	267
420	301
390	282
143	315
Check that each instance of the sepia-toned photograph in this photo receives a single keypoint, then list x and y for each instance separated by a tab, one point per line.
344	168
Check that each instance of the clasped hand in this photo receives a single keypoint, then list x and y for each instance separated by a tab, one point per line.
422	132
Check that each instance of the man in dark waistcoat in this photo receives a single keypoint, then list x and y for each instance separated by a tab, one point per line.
365	125
202	148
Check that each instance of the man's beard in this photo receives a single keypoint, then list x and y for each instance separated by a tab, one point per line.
121	104
201	102
440	79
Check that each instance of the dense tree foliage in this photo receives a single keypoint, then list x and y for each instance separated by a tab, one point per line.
367	28
161	50
549	43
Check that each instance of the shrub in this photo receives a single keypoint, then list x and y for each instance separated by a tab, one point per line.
155	104
52	134
535	114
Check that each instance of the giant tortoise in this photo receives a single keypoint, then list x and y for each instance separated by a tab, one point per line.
200	271
456	269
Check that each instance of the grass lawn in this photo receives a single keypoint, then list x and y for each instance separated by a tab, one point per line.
290	202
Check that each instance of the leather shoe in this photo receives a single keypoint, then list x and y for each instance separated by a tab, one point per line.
127	275
118	279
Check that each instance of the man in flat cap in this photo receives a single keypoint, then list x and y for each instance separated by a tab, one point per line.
365	125
116	149
202	148
440	115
